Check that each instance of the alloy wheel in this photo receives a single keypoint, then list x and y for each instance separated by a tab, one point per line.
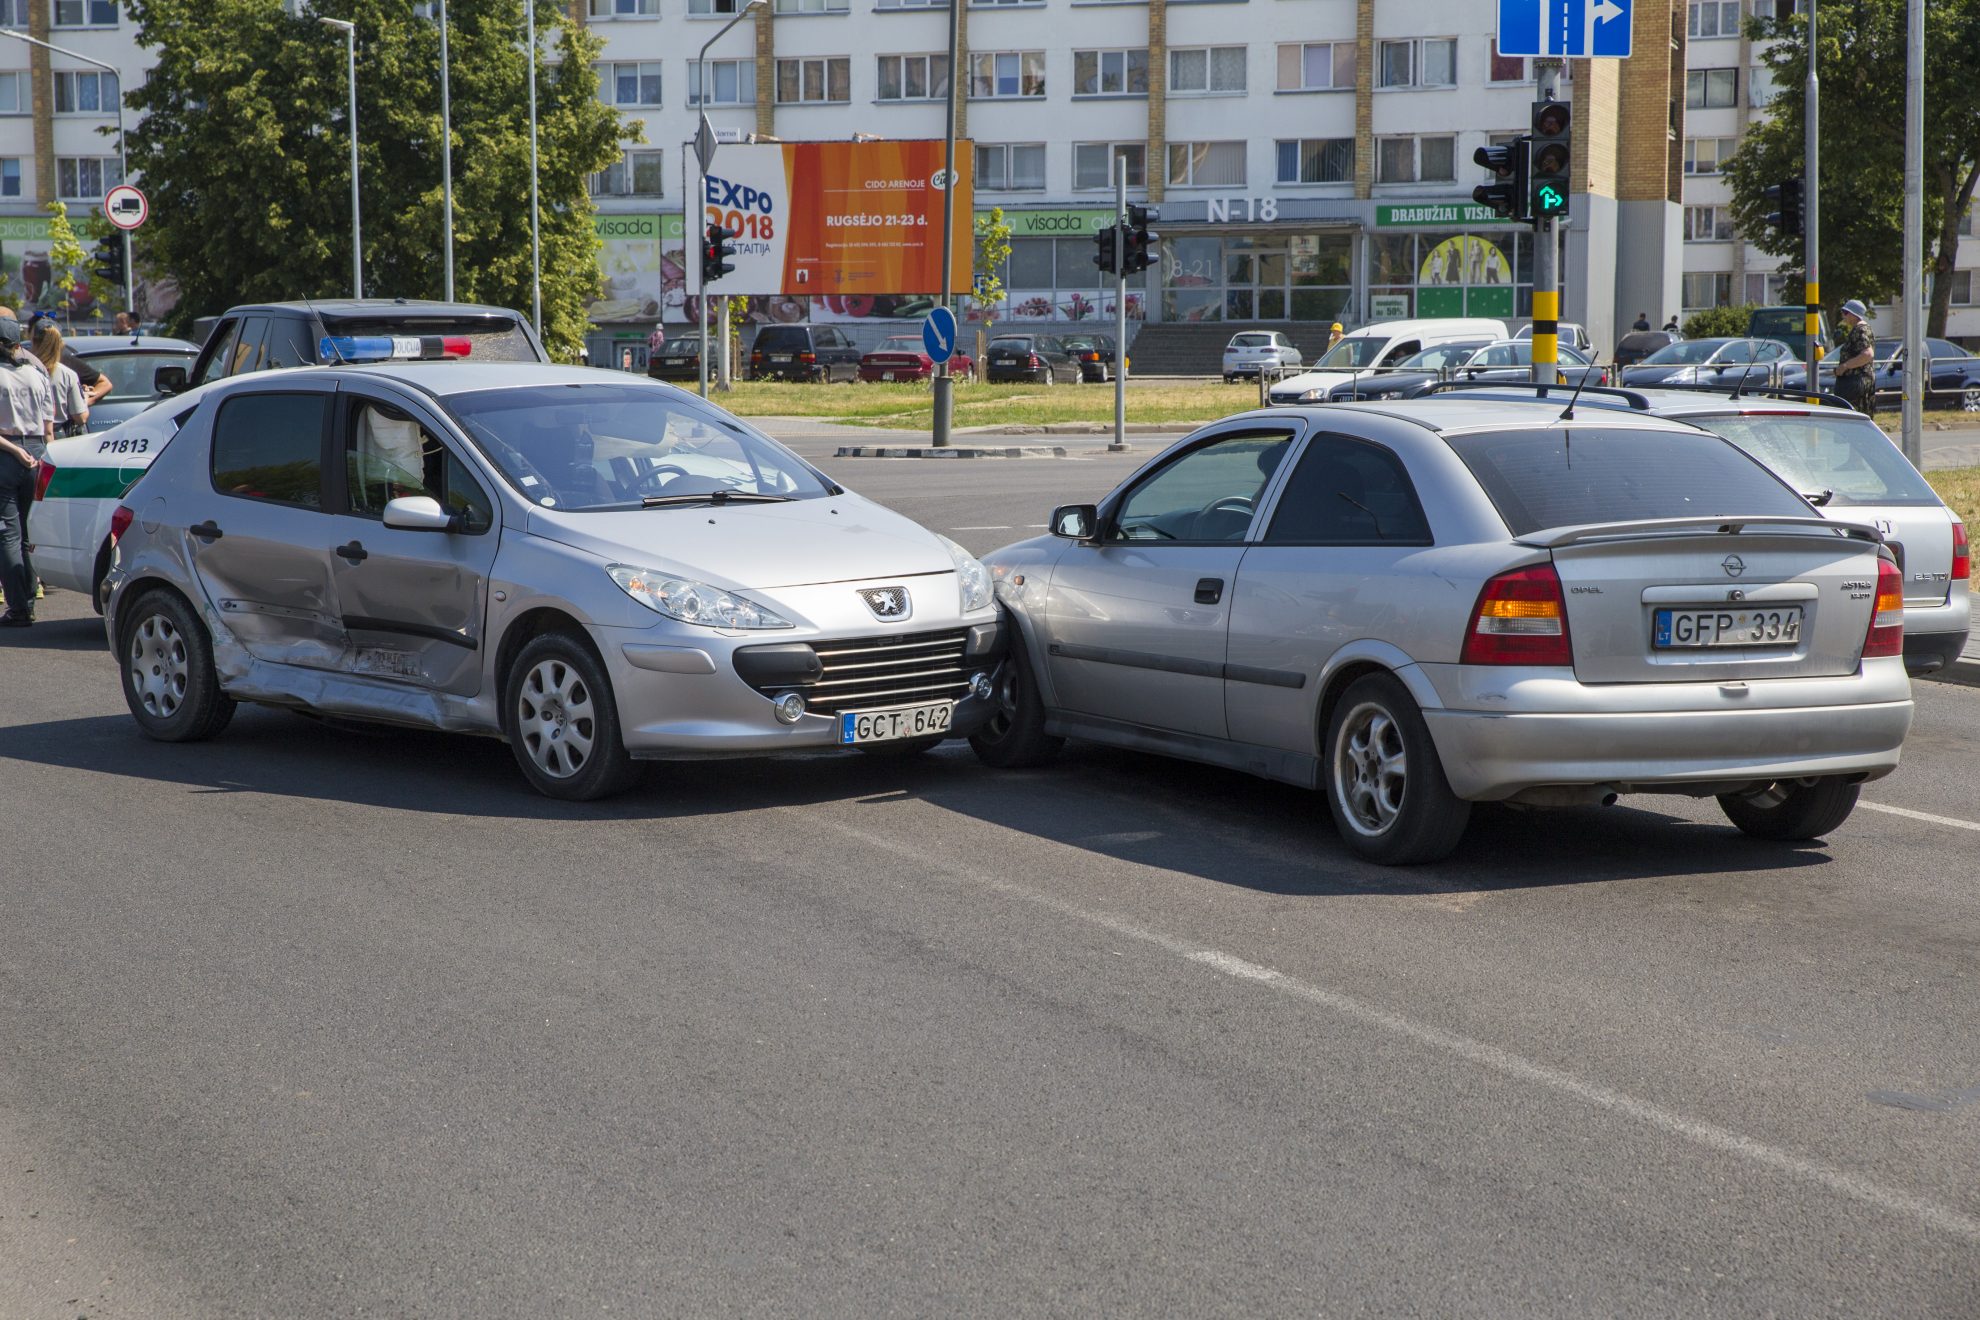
1370	768
1969	399
555	719
160	668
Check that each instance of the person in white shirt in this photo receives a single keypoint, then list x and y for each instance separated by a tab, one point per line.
70	401
25	430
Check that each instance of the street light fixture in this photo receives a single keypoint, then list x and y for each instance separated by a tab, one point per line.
701	192
349	30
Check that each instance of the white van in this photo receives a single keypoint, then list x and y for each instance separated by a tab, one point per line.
1378	347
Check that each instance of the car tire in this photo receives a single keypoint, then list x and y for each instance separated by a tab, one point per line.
900	749
1384	782
1015	737
562	721
168	676
1050	377
1792	810
1969	399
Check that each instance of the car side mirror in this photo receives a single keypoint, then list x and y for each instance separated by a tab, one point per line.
418	513
1075	522
169	380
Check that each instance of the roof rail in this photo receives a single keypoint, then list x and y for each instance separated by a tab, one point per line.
1826	398
1543	390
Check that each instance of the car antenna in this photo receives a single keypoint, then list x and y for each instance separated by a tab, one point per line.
1567	413
327	339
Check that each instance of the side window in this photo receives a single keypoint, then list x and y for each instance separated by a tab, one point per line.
270	447
288	345
246	355
1399	352
225	335
388	455
1347	492
1206	495
1737	352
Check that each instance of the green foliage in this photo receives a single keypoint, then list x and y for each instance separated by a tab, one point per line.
65	254
1714	322
244	148
993	249
1861	62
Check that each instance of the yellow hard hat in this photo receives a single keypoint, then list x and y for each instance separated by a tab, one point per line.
1337	325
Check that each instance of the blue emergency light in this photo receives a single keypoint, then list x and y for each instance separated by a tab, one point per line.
388	348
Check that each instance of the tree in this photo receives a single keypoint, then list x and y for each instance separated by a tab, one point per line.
244	149
986	294
65	253
1716	321
1861	59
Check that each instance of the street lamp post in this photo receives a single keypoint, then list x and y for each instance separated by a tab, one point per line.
349	30
123	160
447	156
535	237
701	184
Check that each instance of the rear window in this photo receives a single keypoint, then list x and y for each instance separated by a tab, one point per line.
1010	345
1813	452
494	340
1574	476
783	339
1777	323
270	447
1252	341
131	373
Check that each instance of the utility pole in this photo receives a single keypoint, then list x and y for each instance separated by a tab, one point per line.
1120	304
446	157
1811	207
1916	368
535	225
944	384
1546	256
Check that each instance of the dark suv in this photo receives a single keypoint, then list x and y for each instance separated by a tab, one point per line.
264	336
1094	353
803	352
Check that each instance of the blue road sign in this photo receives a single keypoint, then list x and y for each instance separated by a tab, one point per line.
938	334
1561	28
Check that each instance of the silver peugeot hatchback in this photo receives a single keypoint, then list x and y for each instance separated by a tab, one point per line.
599	570
1421	605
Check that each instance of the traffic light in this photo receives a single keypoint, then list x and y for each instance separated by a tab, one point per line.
1508	196
1140	246
107	262
1107	250
1786	217
1549	166
715	253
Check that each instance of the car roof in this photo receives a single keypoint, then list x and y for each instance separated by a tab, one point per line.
352	309
1679	403
88	344
1461	410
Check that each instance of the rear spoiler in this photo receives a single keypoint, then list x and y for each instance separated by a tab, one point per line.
1553	538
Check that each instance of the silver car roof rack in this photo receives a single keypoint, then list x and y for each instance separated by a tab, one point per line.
1543	391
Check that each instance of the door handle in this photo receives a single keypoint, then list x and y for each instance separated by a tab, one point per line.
353	552
206	531
1209	590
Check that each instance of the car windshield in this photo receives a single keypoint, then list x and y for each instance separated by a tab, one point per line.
1686	352
900	344
613	446
1567	477
493	340
1521	355
1847	456
783	339
1443	355
687	346
1352	353
130	373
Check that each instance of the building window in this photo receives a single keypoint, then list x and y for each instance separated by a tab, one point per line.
1707	224
1206	71
629	84
85	13
85	93
1416	159
635	174
1316	160
730	82
825	79
1316	66
985	4
10	176
713	8
914	4
1010	166
1110	73
1206	164
1760	88
1007	73
85	178
1773	8
1093	164
1508	68
914	77
625	8
1707	289
1706	155
1963	283
14	13
1766	290
1711	89
15	96
1417	62
1717	18
811	6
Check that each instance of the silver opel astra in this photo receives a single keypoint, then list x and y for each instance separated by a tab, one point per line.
1420	605
600	569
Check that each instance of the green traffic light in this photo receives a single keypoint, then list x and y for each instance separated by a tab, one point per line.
1551	202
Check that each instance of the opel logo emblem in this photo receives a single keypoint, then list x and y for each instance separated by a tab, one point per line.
1735	594
886	602
1733	565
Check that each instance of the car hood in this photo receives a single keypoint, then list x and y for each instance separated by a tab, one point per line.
1386	382
755	547
1321	380
1642	374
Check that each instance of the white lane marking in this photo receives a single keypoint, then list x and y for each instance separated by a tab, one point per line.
1909	814
1708	1135
1004	528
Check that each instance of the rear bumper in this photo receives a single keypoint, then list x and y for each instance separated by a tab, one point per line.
1026	375
876	375
1928	653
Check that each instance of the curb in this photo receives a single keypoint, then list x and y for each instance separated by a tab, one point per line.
896	451
1964	672
1083	428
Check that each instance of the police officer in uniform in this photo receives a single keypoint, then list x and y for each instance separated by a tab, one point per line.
27	424
1855	380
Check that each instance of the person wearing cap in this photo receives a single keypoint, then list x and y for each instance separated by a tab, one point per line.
1854	356
26	427
1334	335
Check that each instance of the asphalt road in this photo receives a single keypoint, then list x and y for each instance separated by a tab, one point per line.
312	1022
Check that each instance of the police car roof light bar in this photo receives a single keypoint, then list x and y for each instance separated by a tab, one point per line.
388	348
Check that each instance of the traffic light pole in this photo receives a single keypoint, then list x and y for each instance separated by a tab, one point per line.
1120	305
1917	370
1811	208
1546	265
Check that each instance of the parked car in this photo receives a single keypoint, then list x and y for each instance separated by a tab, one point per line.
678	359
1038	359
1410	377
1506	360
1419	605
1952	374
131	362
1786	322
903	357
1633	347
1252	350
598	569
1376	348
1570	335
819	353
1756	363
1095	354
267	336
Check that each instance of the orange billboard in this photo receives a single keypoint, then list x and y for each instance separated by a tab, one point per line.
840	217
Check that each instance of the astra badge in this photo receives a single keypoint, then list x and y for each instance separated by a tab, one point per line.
1733	565
887	603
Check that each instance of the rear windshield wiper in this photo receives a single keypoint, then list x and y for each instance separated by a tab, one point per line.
713	497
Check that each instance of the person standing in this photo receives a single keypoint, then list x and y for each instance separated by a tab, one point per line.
126	324
1333	337
66	393
1642	321
1855	356
1671	326
26	426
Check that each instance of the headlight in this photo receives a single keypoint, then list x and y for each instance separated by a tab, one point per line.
972	578
692	602
1314	396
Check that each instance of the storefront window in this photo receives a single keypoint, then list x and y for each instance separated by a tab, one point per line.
1264	277
1450	272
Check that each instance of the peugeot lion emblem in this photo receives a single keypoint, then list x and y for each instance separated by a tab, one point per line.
1733	565
888	603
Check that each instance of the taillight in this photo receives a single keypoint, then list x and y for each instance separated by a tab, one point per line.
757	358
47	474
1034	359
1962	556
807	357
1886	635
1521	619
120	522
1092	357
